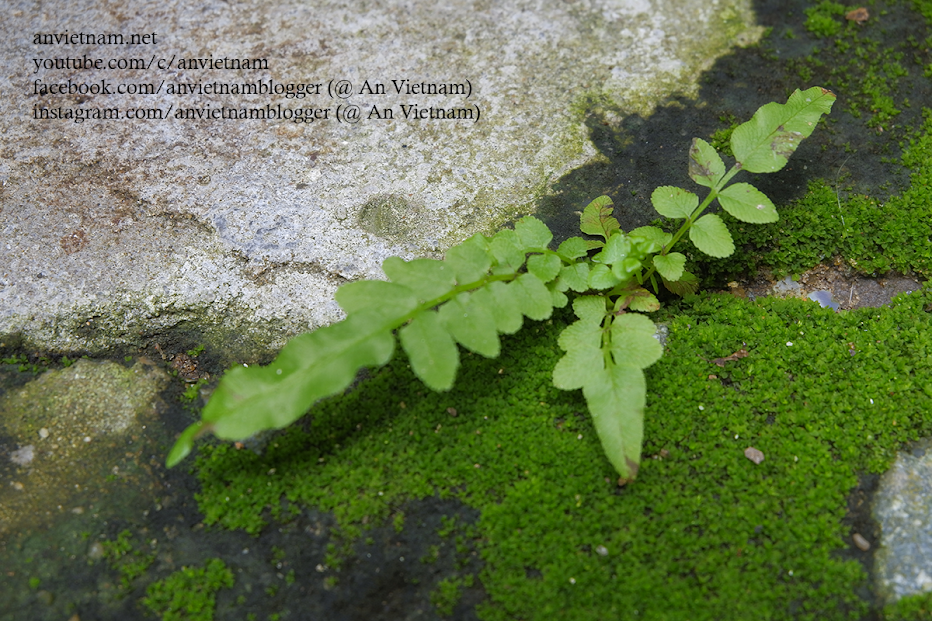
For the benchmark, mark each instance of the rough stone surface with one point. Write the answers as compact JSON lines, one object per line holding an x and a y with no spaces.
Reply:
{"x":111,"y":231}
{"x":65,"y":433}
{"x":902,"y":508}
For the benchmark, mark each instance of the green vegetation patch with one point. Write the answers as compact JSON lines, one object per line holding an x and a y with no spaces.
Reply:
{"x":190,"y":593}
{"x":870,"y":56}
{"x":910,"y":608}
{"x":721,"y":139}
{"x":872,"y":235}
{"x":129,"y":561}
{"x":880,"y":70}
{"x":448,"y":593}
{"x":822,"y":20}
{"x":704,"y":533}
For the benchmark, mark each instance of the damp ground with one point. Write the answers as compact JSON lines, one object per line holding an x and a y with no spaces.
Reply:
{"x":394,"y":503}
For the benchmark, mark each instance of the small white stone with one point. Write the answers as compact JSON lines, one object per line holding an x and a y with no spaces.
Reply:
{"x":23,"y":456}
{"x":754,"y":455}
{"x":43,"y":433}
{"x":601,"y":551}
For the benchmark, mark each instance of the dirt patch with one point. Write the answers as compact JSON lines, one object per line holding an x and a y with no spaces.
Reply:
{"x":849,"y":288}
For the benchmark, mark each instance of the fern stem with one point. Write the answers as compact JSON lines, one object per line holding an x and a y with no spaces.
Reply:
{"x":713,"y":194}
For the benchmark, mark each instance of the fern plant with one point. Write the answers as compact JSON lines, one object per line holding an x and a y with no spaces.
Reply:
{"x":487,"y":286}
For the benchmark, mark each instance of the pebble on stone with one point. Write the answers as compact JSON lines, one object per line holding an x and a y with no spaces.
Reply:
{"x":754,"y":455}
{"x":96,"y":551}
{"x":23,"y":456}
{"x":787,"y":286}
{"x":862,"y":543}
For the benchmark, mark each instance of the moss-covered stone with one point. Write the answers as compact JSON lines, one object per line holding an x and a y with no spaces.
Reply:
{"x":73,"y":430}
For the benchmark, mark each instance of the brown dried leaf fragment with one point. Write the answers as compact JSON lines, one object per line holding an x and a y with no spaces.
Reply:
{"x":186,"y":366}
{"x":741,"y":353}
{"x":859,"y":15}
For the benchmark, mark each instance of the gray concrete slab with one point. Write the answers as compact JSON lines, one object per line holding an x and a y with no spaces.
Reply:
{"x":115,"y":230}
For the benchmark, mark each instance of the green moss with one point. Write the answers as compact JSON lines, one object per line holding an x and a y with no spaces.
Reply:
{"x":925,"y":8}
{"x":448,"y":593}
{"x":910,"y":608}
{"x":448,"y":526}
{"x":867,"y":65}
{"x":190,"y":593}
{"x":721,"y":139}
{"x":433,"y":554}
{"x":704,"y":533}
{"x":129,"y":561}
{"x":40,"y":365}
{"x":398,"y":522}
{"x":192,"y":391}
{"x":822,"y":19}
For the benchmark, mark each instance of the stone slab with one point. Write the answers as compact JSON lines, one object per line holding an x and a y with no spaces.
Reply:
{"x":112,"y":231}
{"x":902,"y":507}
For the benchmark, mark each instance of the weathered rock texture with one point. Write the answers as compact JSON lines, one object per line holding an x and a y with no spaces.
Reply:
{"x":902,"y":508}
{"x":113,"y":230}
